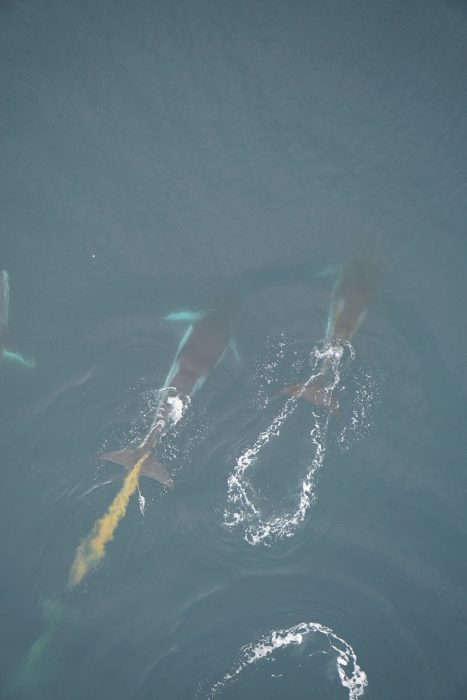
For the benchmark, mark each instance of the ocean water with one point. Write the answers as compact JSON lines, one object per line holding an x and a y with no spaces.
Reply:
{"x":156,"y":157}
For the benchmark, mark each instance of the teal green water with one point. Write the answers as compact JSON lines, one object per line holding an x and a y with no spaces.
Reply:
{"x":156,"y":157}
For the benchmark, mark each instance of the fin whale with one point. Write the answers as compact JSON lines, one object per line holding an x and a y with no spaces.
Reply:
{"x":350,"y":300}
{"x":200,"y":349}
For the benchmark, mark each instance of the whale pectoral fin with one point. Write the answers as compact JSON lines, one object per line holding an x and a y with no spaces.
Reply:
{"x":234,"y":347}
{"x":360,"y":320}
{"x":17,"y":359}
{"x":332,"y":271}
{"x":296,"y":391}
{"x":4,"y":301}
{"x":185,"y":316}
{"x":291,"y":390}
{"x":152,"y":468}
{"x":314,"y":392}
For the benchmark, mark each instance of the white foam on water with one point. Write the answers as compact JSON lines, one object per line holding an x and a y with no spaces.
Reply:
{"x":267,"y":368}
{"x":174,"y":408}
{"x":367,"y":396}
{"x":178,"y":406}
{"x":242,"y":509}
{"x":351,"y":675}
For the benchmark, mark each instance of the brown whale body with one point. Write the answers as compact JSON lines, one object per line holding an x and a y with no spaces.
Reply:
{"x":199,"y":352}
{"x":351,"y":298}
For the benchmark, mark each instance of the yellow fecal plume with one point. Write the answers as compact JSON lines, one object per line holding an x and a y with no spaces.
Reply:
{"x":92,"y":549}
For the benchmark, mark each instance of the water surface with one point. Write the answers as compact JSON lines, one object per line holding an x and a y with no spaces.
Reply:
{"x":156,"y":156}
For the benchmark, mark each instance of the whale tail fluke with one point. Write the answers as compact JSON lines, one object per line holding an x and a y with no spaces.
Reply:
{"x":17,"y":359}
{"x":151,"y":468}
{"x":314,"y":391}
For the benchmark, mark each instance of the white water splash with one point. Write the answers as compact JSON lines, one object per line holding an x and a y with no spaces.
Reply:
{"x":351,"y":675}
{"x":178,"y":406}
{"x":242,"y":509}
{"x":171,"y":407}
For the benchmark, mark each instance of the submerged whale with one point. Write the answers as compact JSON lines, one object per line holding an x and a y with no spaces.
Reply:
{"x":350,"y":300}
{"x":200,"y":349}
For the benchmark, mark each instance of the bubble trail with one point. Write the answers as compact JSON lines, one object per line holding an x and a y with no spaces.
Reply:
{"x":241,"y":509}
{"x":92,"y":549}
{"x":351,"y":675}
